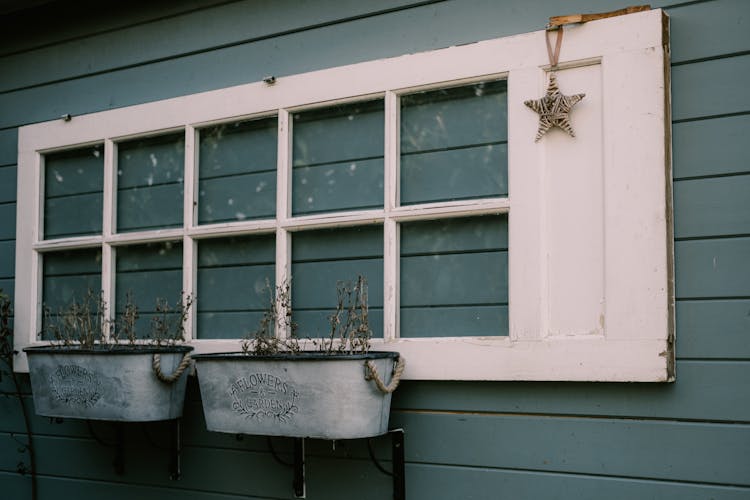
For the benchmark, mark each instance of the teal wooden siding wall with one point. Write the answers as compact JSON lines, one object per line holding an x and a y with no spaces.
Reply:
{"x":686,"y":440}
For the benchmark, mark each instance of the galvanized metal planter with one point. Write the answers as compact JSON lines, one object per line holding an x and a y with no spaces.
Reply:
{"x":109,"y":382}
{"x":311,"y":394}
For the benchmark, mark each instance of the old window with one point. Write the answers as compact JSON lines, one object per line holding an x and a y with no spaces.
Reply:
{"x":488,"y":256}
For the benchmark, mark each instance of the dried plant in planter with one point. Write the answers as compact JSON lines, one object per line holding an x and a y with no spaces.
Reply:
{"x":80,"y":323}
{"x":84,"y":323}
{"x":168,"y":326}
{"x":337,"y":389}
{"x":100,"y":369}
{"x":349,"y":333}
{"x":350,"y":325}
{"x":263,"y":340}
{"x":125,"y":326}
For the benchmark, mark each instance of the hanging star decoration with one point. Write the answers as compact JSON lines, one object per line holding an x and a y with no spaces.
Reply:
{"x":554,"y":109}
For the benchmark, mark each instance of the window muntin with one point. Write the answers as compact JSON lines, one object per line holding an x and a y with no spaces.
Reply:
{"x":627,"y":55}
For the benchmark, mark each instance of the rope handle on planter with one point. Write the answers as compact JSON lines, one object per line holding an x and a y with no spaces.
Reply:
{"x":170,"y":379}
{"x":372,"y":374}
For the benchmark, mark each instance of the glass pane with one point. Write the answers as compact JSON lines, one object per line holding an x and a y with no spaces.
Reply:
{"x":322,"y":258}
{"x":73,"y":183}
{"x":69,"y":276}
{"x":454,"y":277}
{"x":150,"y":182}
{"x":338,"y":158}
{"x":237,"y":171}
{"x":148,"y":272}
{"x":454,"y":143}
{"x":234,"y":276}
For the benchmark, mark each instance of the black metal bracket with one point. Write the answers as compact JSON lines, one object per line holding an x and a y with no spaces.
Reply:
{"x":397,"y":457}
{"x":175,"y":450}
{"x":118,"y":463}
{"x":399,"y":464}
{"x":298,"y":484}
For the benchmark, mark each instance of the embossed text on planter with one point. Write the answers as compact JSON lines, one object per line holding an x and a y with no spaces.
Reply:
{"x":262,"y":395}
{"x":75,"y":386}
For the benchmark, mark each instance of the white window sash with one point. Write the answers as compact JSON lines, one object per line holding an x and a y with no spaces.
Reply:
{"x":590,"y":258}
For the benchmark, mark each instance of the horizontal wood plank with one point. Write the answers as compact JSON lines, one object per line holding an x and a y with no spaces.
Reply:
{"x":150,"y":207}
{"x":454,"y":279}
{"x":710,"y":88}
{"x":7,"y":221}
{"x":643,"y":449}
{"x":712,"y":207}
{"x":7,"y":186}
{"x":237,"y":148}
{"x":73,"y":215}
{"x":236,"y":198}
{"x":477,"y":172}
{"x":451,"y":482}
{"x":81,"y":21}
{"x":76,"y":171}
{"x":7,"y":285}
{"x":710,"y":147}
{"x":713,"y":329}
{"x":73,"y":262}
{"x":149,"y":257}
{"x":349,"y":185}
{"x":235,"y":251}
{"x":234,"y":288}
{"x":103,"y":48}
{"x":455,"y":321}
{"x":333,"y":244}
{"x":708,"y":29}
{"x":8,"y":146}
{"x":712,"y":268}
{"x":704,"y":390}
{"x":314,"y":283}
{"x":61,"y":487}
{"x":227,"y":325}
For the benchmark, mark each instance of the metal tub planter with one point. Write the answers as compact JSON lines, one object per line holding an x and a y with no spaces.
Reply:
{"x":109,"y":382}
{"x":308,"y":394}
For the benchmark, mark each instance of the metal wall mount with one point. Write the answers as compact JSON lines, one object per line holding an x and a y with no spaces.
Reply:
{"x":397,"y":459}
{"x":118,"y":463}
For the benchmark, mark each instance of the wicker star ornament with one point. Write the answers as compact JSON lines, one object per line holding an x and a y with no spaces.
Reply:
{"x":554,"y":109}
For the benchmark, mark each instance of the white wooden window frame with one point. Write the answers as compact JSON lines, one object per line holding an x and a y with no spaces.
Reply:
{"x":590,"y":252}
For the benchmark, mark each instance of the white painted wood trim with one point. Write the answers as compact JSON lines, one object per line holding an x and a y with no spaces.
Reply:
{"x":109,"y":186}
{"x":623,"y":336}
{"x":190,"y":283}
{"x":391,"y":197}
{"x":190,"y":178}
{"x":284,"y":167}
{"x":283,"y":276}
{"x":391,"y":276}
{"x":109,"y":198}
{"x":108,"y":283}
{"x":575,"y":359}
